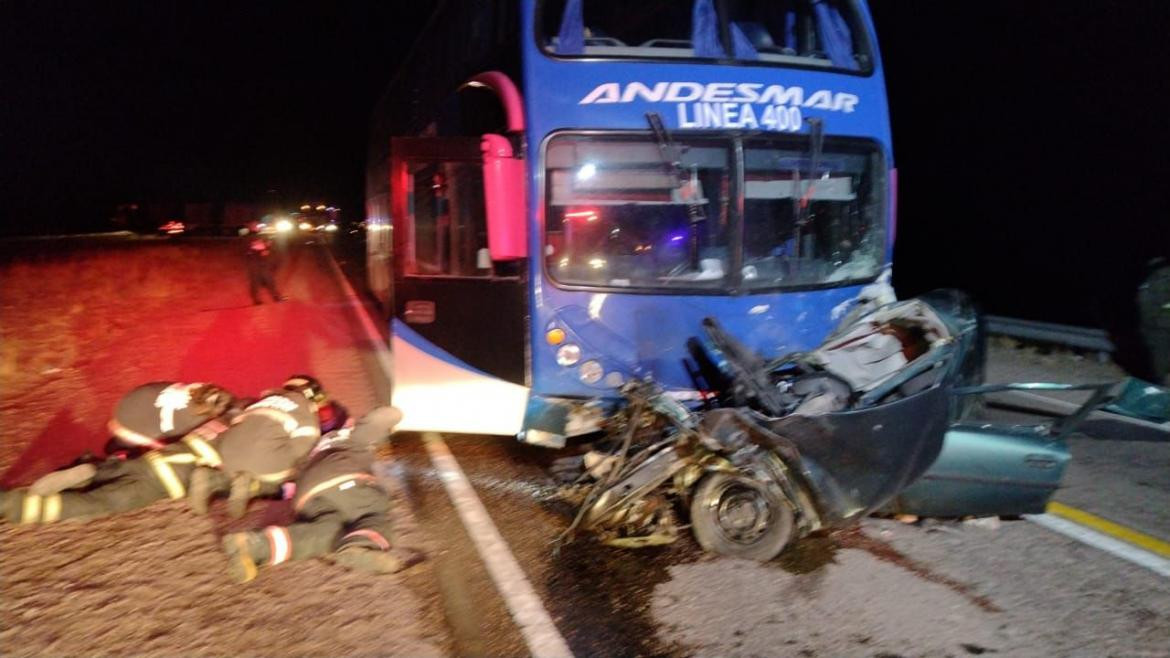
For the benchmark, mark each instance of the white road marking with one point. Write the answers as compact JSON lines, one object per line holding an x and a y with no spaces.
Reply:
{"x":1115,"y":547}
{"x":527,"y":610}
{"x":525,"y":606}
{"x":381,"y":352}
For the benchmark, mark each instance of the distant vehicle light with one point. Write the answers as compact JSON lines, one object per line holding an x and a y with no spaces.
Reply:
{"x":568,"y":354}
{"x":331,"y":228}
{"x":306,"y":207}
{"x":173,"y":227}
{"x":305,"y":226}
{"x":284,"y":226}
{"x":321,"y":207}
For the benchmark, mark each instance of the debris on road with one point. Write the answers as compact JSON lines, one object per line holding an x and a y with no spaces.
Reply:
{"x":781,"y":448}
{"x":983,"y":522}
{"x":812,"y":440}
{"x":1142,"y":400}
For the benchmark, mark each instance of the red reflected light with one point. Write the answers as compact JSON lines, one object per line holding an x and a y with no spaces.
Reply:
{"x":588,"y":214}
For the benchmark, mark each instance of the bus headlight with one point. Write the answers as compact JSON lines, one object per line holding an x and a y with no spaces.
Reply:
{"x":568,"y":354}
{"x":591,"y":372}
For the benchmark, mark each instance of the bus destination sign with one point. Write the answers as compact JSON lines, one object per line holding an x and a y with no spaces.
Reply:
{"x":728,"y":105}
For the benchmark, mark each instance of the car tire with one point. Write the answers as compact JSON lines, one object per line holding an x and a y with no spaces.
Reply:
{"x":736,"y":516}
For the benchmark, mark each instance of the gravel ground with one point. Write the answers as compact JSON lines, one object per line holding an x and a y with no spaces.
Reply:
{"x":1009,"y":361}
{"x":940,"y":589}
{"x":858,"y":605}
{"x":82,"y":325}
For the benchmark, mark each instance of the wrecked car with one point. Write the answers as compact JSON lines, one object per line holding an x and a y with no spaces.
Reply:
{"x":877,"y":418}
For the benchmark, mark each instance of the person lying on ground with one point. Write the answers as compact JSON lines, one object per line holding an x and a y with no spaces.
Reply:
{"x":92,"y":488}
{"x":152,"y":415}
{"x":342,"y":512}
{"x":117,"y":484}
{"x":260,"y":450}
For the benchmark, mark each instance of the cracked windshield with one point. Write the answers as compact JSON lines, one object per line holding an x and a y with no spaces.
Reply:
{"x":623,"y":212}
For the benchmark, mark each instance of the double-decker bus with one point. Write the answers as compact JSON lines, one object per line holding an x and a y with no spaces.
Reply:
{"x":559,"y":191}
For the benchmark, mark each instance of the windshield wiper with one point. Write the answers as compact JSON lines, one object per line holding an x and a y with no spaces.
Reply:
{"x":802,"y":193}
{"x":672,"y":158}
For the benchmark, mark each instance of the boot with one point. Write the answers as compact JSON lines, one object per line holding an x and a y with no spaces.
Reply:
{"x":370,"y":559}
{"x":244,"y":487}
{"x":58,"y":481}
{"x":200,"y":490}
{"x":243,"y":553}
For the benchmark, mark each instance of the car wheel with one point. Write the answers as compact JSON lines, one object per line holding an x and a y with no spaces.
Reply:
{"x":738,"y":517}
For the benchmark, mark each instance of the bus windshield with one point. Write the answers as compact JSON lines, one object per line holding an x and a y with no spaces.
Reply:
{"x":810,"y":33}
{"x":805,"y":227}
{"x":620,"y":216}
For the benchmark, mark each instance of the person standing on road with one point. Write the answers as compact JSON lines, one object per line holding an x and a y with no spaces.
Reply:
{"x":116,"y":484}
{"x":152,"y":415}
{"x":263,"y":445}
{"x":1154,"y":307}
{"x":342,"y":511}
{"x":261,"y":263}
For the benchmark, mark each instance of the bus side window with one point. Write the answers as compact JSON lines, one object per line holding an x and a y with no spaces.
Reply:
{"x":448,"y":215}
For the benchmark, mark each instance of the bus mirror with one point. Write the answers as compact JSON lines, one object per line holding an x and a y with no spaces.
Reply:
{"x":504,"y":194}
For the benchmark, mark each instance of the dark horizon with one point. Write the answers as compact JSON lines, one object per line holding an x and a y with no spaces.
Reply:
{"x":1028,"y":139}
{"x":174,"y":102}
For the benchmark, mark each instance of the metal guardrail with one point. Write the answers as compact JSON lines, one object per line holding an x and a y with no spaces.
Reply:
{"x":1059,"y":334}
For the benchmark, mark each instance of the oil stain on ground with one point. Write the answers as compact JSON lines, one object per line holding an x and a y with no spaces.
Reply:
{"x":601,"y":588}
{"x":599,"y":595}
{"x":856,"y":538}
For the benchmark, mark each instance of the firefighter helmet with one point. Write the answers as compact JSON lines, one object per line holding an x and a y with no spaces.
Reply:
{"x":307,"y":386}
{"x":211,"y":399}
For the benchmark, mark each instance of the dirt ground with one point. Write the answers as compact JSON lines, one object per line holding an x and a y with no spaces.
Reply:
{"x":81,"y":323}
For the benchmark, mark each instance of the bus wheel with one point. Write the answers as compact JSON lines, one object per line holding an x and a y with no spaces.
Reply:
{"x":738,"y":517}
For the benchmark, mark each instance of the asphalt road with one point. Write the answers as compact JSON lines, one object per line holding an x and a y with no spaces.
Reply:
{"x":1004,"y":587}
{"x":1011,"y":588}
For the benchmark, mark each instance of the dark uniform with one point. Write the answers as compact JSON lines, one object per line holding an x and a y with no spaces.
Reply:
{"x":262,"y":447}
{"x":270,"y":436}
{"x":261,"y":268}
{"x":155,"y":414}
{"x":1154,"y":307}
{"x":340,"y":508}
{"x":118,"y":485}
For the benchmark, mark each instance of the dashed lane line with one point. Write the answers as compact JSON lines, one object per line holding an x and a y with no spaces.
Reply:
{"x":527,"y":610}
{"x":381,"y":352}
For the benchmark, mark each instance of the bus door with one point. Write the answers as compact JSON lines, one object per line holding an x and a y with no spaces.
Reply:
{"x":448,"y":289}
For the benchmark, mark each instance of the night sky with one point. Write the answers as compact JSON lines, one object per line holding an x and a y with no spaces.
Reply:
{"x":1031,"y":137}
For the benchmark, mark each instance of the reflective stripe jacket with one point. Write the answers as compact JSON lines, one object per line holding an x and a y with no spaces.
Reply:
{"x":270,"y":436}
{"x":342,"y":459}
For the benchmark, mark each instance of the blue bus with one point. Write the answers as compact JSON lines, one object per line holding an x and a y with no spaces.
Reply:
{"x":559,"y":191}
